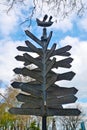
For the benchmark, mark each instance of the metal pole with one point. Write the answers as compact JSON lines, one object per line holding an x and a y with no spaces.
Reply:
{"x":44,"y":124}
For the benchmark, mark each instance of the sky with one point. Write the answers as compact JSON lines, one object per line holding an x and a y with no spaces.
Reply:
{"x":69,"y":31}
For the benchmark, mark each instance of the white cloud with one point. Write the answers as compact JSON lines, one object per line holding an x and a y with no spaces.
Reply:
{"x":7,"y":61}
{"x":63,"y":25}
{"x":8,"y":23}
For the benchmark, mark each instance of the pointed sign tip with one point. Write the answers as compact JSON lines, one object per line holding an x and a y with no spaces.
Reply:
{"x":11,"y":111}
{"x":18,"y":70}
{"x":16,"y":84}
{"x":13,"y":84}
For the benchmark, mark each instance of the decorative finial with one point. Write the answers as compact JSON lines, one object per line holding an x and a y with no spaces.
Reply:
{"x":45,"y":18}
{"x":43,"y":23}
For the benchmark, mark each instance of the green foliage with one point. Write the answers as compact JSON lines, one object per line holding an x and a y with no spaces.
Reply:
{"x":34,"y":126}
{"x":6,"y":120}
{"x":5,"y":117}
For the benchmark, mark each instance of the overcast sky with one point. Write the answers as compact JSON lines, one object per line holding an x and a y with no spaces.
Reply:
{"x":70,"y":31}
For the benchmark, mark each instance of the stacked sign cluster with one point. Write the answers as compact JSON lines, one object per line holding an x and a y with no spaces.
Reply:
{"x":43,"y":97}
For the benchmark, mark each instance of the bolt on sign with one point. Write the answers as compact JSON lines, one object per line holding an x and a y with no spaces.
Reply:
{"x":44,"y":97}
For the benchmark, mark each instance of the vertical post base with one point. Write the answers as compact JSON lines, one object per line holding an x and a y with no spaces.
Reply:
{"x":44,"y":123}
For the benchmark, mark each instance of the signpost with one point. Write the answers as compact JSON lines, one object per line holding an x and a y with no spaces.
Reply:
{"x":44,"y":98}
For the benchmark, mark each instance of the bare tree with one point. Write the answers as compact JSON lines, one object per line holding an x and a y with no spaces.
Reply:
{"x":59,"y":8}
{"x":71,"y":122}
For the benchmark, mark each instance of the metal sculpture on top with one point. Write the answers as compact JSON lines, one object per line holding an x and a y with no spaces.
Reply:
{"x":43,"y":23}
{"x":44,"y":97}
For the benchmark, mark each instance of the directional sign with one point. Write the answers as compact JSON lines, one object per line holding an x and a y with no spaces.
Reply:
{"x":28,"y":33}
{"x":63,"y":76}
{"x":63,"y":51}
{"x":24,"y":48}
{"x":66,"y":76}
{"x":26,"y":72}
{"x":20,"y":58}
{"x":25,"y":111}
{"x":34,"y":89}
{"x":31,"y":104}
{"x":62,"y":100}
{"x":27,"y":62}
{"x":63,"y":112}
{"x":23,"y":59}
{"x":54,"y":90}
{"x":63,"y":63}
{"x":52,"y":77}
{"x":27,"y":98}
{"x":39,"y":105}
{"x":50,"y":112}
{"x":32,"y":47}
{"x":33,"y":60}
{"x":29,"y":85}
